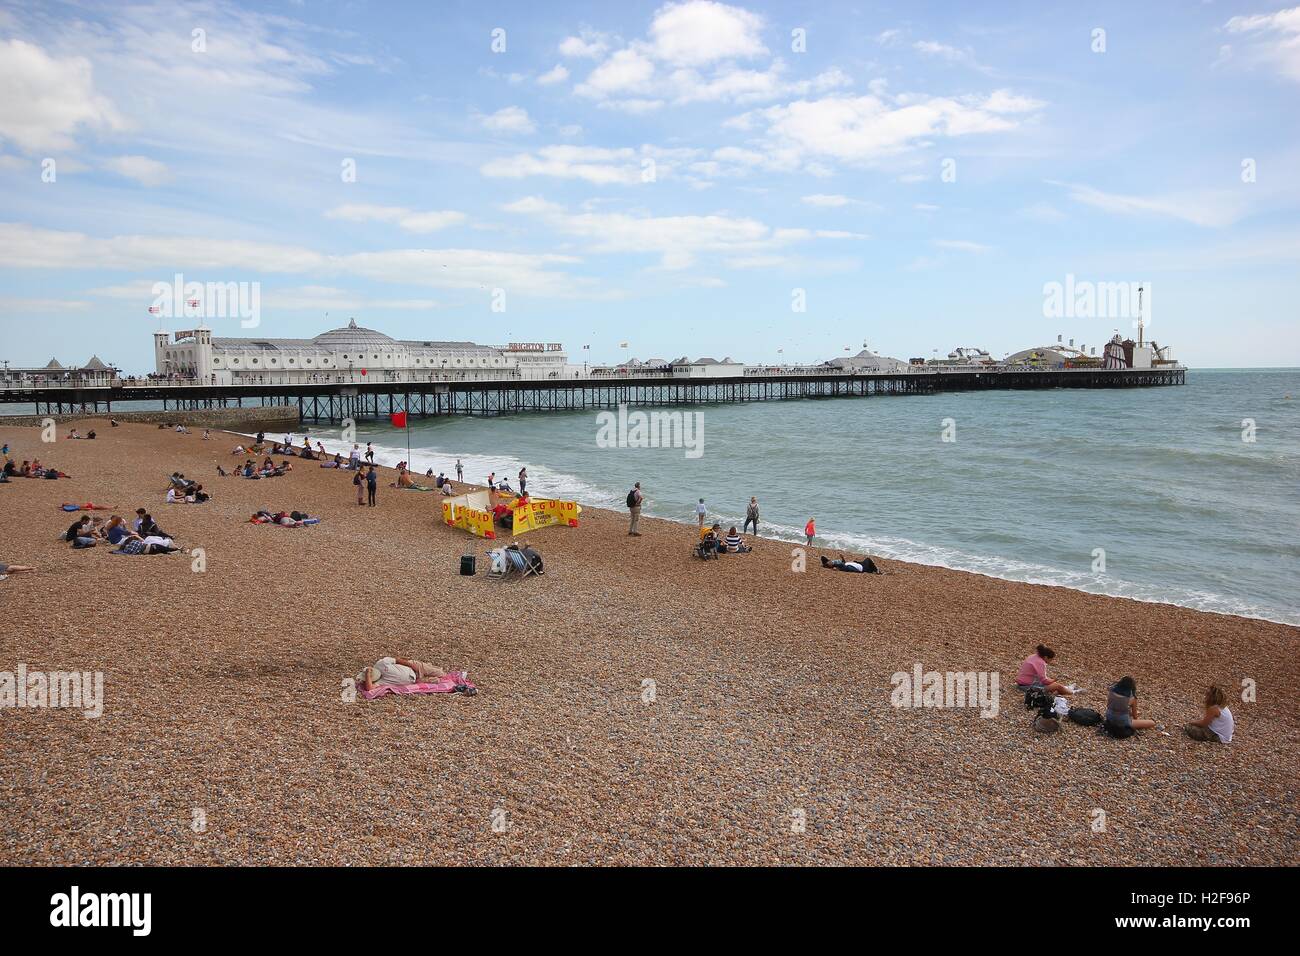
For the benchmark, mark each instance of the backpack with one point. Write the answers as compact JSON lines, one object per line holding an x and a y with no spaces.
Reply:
{"x":1084,"y":716}
{"x":631,"y":498}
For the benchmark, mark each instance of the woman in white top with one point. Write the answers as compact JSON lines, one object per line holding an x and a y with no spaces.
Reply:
{"x":1216,"y":725}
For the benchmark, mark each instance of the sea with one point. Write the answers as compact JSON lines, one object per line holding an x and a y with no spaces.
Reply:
{"x":1181,"y":495}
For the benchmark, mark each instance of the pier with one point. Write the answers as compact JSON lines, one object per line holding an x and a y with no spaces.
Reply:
{"x":334,"y":401}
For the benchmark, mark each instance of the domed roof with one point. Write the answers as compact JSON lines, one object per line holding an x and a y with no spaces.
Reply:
{"x":352,"y":336}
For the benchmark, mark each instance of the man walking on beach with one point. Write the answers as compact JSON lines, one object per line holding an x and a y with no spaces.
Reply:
{"x":700,"y":512}
{"x":751,"y":516}
{"x":372,"y":483}
{"x":460,"y":471}
{"x":634,"y":500}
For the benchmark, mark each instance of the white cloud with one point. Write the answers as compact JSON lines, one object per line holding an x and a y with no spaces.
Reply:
{"x":692,"y":54}
{"x":145,"y":171}
{"x":1271,"y":37}
{"x":699,"y":32}
{"x":962,"y":245}
{"x":47,"y":99}
{"x":593,"y":164}
{"x":557,"y":74}
{"x":319,"y":298}
{"x":28,"y":247}
{"x":829,"y":200}
{"x":590,"y":45}
{"x":677,"y":240}
{"x":410,"y":220}
{"x":1205,"y":208}
{"x":511,"y":119}
{"x":13,"y":304}
{"x":863,"y":129}
{"x":625,"y":72}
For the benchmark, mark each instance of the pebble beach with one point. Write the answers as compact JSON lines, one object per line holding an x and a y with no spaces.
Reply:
{"x":635,"y":705}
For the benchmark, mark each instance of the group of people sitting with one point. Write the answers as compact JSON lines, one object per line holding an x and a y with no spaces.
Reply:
{"x":29,"y":469}
{"x":77,"y":435}
{"x":146,"y":538}
{"x":182,"y":490}
{"x":1122,"y":719}
{"x":250,"y":469}
{"x":713,"y":542}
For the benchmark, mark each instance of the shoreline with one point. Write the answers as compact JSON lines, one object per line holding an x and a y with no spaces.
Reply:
{"x":769,"y":692}
{"x":794,"y":539}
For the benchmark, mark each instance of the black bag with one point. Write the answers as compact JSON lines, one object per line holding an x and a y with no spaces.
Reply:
{"x":631,"y":498}
{"x":1038,"y":699}
{"x":1085,"y":716}
{"x":467,"y":565}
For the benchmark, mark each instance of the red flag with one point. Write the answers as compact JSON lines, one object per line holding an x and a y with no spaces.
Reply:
{"x":399,"y":419}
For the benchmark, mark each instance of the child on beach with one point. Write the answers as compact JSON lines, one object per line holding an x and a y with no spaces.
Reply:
{"x":1216,"y":724}
{"x":700,"y":512}
{"x":810,"y":530}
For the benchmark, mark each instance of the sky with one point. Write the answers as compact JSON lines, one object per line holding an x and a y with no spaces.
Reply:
{"x":769,"y":182}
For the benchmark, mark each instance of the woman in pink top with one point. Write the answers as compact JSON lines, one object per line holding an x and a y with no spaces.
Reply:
{"x":1033,"y":673}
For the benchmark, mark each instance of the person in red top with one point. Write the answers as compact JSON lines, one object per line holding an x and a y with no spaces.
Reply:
{"x":1033,"y":673}
{"x":810,"y":529}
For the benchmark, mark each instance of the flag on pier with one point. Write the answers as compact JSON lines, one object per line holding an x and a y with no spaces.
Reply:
{"x":398,"y":419}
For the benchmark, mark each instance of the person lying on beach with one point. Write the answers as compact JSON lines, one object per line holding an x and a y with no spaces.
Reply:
{"x":863,"y":565}
{"x":222,"y":473}
{"x":73,"y":434}
{"x":239,"y":450}
{"x":8,"y":569}
{"x":88,"y":506}
{"x":288,"y":519}
{"x":1033,"y":673}
{"x":1216,"y":724}
{"x":197,"y":495}
{"x":1122,"y":718}
{"x":396,"y":672}
{"x":150,"y":545}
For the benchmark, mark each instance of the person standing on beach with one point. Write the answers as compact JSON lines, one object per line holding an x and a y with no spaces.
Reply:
{"x":810,"y":530}
{"x":460,"y":471}
{"x":634,"y":501}
{"x":372,"y":483}
{"x":751,"y":516}
{"x":370,"y":453}
{"x":523,"y":481}
{"x":700,"y":512}
{"x":358,"y":482}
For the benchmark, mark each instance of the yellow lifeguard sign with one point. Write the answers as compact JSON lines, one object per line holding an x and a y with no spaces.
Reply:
{"x":533,"y":513}
{"x":473,"y":512}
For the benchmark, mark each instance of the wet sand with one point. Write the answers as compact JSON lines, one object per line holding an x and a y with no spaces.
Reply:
{"x":771,"y":695}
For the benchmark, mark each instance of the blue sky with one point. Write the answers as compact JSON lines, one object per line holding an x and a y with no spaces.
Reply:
{"x":666,"y":174}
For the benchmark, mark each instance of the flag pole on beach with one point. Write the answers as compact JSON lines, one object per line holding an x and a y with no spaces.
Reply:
{"x":402,"y":420}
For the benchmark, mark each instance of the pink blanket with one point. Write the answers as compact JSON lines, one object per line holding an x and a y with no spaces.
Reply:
{"x":444,"y":686}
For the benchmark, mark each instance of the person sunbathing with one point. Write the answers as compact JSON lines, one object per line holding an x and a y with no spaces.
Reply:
{"x":8,"y":569}
{"x":404,"y":479}
{"x":398,"y":672}
{"x":862,"y":565}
